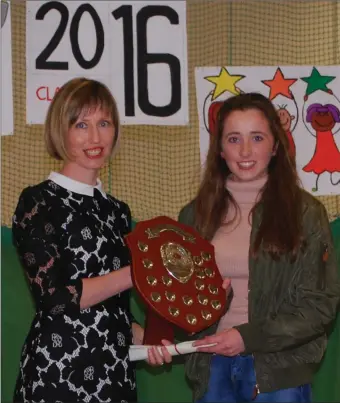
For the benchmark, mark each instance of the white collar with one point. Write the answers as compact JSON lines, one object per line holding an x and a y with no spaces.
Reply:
{"x":75,"y":186}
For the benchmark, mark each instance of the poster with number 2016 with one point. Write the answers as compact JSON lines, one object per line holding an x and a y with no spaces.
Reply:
{"x":137,"y":48}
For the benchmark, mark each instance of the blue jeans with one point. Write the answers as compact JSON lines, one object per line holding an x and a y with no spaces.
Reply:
{"x":232,"y":380}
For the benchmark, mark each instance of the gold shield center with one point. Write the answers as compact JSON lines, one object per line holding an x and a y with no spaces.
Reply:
{"x":178,"y":261}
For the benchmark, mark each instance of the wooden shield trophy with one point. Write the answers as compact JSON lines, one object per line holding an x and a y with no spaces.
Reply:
{"x":175,"y":273}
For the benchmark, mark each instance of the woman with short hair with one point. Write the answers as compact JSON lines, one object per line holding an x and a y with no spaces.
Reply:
{"x":69,"y":234}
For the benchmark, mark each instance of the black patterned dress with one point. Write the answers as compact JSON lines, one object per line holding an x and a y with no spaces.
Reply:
{"x":65,"y":231}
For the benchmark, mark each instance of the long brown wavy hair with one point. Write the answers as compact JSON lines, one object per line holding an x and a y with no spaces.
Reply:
{"x":280,"y":228}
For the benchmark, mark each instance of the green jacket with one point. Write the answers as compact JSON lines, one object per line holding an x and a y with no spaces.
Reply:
{"x":291,"y":307}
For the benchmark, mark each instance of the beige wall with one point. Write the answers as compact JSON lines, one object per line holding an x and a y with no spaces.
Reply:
{"x":157,"y":168}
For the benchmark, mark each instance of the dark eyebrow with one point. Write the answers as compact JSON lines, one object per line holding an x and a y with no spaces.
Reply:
{"x":86,"y":118}
{"x":252,"y":132}
{"x":259,"y":132}
{"x":232,"y":133}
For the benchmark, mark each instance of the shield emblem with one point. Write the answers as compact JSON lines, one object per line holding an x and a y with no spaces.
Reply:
{"x":175,"y":273}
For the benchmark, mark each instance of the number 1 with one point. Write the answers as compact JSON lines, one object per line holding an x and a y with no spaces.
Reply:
{"x":125,"y":12}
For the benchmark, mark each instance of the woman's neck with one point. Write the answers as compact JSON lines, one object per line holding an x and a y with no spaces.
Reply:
{"x":80,"y":174}
{"x":246,"y":192}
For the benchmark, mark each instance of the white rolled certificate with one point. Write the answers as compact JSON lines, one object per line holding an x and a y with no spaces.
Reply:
{"x":137,"y":353}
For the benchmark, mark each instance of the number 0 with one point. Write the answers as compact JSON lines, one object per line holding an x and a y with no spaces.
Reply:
{"x":74,"y":32}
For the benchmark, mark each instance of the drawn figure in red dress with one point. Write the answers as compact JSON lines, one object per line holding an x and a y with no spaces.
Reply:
{"x":213,"y":109}
{"x":326,"y":156}
{"x":286,"y":121}
{"x":212,"y":116}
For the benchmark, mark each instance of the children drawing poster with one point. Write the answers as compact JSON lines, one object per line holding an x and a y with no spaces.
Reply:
{"x":307,"y":100}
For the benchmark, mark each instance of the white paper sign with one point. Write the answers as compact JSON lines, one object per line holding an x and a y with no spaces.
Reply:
{"x":6,"y":70}
{"x":299,"y":93}
{"x":137,"y":48}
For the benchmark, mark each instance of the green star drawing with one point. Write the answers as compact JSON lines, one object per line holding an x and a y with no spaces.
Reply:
{"x":317,"y":82}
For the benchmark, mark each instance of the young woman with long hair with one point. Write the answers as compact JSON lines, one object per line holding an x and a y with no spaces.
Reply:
{"x":272,"y":239}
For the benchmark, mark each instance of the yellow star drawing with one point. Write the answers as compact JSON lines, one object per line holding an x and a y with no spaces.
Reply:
{"x":224,"y":82}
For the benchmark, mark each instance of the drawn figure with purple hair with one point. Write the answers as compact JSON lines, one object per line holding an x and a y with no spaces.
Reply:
{"x":326,"y":156}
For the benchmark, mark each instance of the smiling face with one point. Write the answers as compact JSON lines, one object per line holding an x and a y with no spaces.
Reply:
{"x":89,"y":141}
{"x":322,"y":121}
{"x":285,"y":118}
{"x":247,"y":144}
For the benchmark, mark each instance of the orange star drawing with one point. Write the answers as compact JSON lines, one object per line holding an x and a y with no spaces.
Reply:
{"x":279,"y":85}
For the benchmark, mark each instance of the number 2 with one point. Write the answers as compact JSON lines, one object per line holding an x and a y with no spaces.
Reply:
{"x":41,"y":62}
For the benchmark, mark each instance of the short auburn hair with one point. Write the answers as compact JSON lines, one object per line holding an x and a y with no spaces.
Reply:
{"x":73,"y":98}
